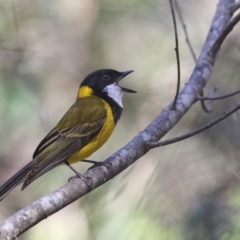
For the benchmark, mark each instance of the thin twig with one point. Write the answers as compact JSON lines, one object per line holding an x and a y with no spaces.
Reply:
{"x":208,"y":105}
{"x":184,"y":26}
{"x":190,"y":134}
{"x":203,"y":104}
{"x":220,"y":97}
{"x":177,"y":54}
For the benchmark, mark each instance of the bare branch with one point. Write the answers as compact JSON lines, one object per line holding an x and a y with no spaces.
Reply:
{"x":179,"y":12}
{"x":177,"y":55}
{"x":196,"y":131}
{"x":235,"y":6}
{"x":136,"y":148}
{"x":225,"y":33}
{"x":204,"y":106}
{"x":216,"y":45}
{"x":220,"y":97}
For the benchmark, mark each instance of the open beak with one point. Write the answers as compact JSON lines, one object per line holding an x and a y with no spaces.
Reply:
{"x":124,"y":74}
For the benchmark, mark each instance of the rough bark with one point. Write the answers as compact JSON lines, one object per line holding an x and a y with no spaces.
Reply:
{"x":138,"y":146}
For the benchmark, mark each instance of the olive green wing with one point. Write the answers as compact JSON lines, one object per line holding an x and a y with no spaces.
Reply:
{"x":82,"y":123}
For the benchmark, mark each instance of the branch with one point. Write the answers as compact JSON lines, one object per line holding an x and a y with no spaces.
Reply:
{"x":177,"y":55}
{"x":204,"y":106}
{"x":136,"y":148}
{"x":195,"y":132}
{"x":185,"y":31}
{"x":235,"y":6}
{"x":225,"y":33}
{"x":220,"y":97}
{"x":215,"y":47}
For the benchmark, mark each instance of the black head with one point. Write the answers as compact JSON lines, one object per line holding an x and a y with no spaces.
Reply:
{"x":102,"y":78}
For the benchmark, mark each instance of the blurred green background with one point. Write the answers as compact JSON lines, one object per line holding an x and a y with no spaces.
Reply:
{"x":188,"y":190}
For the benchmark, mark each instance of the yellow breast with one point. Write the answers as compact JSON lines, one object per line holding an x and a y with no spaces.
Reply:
{"x":98,"y":141}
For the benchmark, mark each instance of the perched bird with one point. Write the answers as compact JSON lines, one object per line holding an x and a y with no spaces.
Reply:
{"x":84,"y":128}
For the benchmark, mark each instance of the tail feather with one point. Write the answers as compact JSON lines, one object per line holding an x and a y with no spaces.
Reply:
{"x":15,"y":180}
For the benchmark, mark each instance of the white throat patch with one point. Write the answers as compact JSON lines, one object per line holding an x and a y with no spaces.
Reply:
{"x":114,"y":92}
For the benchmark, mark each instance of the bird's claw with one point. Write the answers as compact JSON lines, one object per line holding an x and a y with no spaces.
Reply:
{"x":85,"y":179}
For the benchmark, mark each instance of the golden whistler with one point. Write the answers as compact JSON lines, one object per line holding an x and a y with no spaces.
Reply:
{"x":84,"y":128}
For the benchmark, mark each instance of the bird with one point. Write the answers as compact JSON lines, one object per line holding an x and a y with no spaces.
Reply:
{"x":84,"y":128}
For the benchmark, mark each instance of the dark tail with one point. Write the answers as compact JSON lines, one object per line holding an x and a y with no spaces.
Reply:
{"x":15,"y":180}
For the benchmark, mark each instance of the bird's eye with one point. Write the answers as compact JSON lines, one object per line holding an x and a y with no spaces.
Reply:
{"x":106,"y":77}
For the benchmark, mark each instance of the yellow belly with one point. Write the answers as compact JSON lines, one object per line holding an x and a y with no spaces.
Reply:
{"x":98,"y":141}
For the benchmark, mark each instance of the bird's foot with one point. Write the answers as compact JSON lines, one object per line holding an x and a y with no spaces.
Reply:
{"x":96,"y":164}
{"x":108,"y":165}
{"x":85,"y":179}
{"x":79,"y":175}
